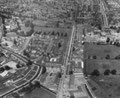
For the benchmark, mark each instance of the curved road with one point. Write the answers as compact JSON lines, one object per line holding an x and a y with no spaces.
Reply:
{"x":17,"y":88}
{"x":38,"y":72}
{"x":35,"y":77}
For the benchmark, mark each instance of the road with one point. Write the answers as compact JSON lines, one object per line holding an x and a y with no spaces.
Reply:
{"x":19,"y":87}
{"x":102,"y":10}
{"x":79,"y":59}
{"x":60,"y":90}
{"x":35,"y":77}
{"x":37,"y":73}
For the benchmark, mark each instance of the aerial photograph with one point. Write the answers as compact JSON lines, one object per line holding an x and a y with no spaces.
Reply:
{"x":59,"y":48}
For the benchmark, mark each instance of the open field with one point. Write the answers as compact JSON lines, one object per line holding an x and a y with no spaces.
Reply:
{"x":101,"y":65}
{"x":39,"y":93}
{"x":104,"y":86}
{"x":109,"y":88}
{"x":95,"y":58}
{"x":100,"y":51}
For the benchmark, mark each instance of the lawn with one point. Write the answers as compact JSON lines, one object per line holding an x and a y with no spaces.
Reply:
{"x":95,"y":58}
{"x":39,"y":93}
{"x":101,"y":65}
{"x":100,"y":51}
{"x":109,"y":88}
{"x":104,"y":86}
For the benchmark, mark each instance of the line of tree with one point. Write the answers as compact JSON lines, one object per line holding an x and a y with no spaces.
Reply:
{"x":106,"y":72}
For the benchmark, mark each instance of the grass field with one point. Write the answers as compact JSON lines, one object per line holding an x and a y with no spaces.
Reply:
{"x":101,"y":63}
{"x":39,"y":93}
{"x":104,"y":86}
{"x":109,"y":88}
{"x":100,"y":51}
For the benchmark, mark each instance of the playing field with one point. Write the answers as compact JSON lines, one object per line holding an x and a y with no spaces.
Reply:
{"x":95,"y":58}
{"x":100,"y":62}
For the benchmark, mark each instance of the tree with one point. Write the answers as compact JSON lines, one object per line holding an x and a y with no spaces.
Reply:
{"x":89,"y":8}
{"x":84,"y":8}
{"x":15,"y":42}
{"x":65,"y":35}
{"x":53,"y":33}
{"x":73,"y":49}
{"x":15,"y":95}
{"x":95,"y":72}
{"x":29,"y":88}
{"x":31,"y":85}
{"x":94,"y":88}
{"x":58,"y":34}
{"x":2,"y":69}
{"x":26,"y":54}
{"x":18,"y":65}
{"x":28,"y":23}
{"x":72,"y":96}
{"x":4,"y":31}
{"x":70,"y":72}
{"x":96,"y":8}
{"x":23,"y":90}
{"x":44,"y":33}
{"x":44,"y":70}
{"x":7,"y":68}
{"x":37,"y":84}
{"x":97,"y":20}
{"x":107,"y":56}
{"x":29,"y":63}
{"x":108,"y":40}
{"x":117,"y":57}
{"x":107,"y":72}
{"x":59,"y":45}
{"x":59,"y":74}
{"x":94,"y":57}
{"x":62,"y":34}
{"x":113,"y":72}
{"x":2,"y":54}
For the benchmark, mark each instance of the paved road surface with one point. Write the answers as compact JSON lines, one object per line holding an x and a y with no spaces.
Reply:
{"x":102,"y":9}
